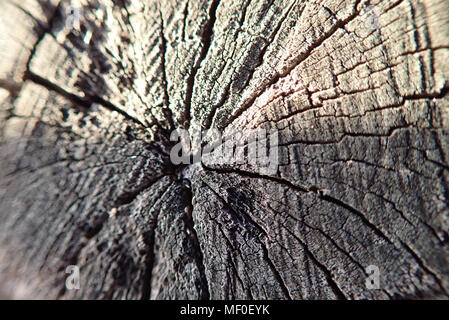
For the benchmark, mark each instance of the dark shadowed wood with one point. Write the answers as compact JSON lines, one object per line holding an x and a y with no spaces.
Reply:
{"x":360,"y":99}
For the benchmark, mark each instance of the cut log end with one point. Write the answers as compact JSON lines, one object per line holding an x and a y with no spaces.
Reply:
{"x":355,"y":205}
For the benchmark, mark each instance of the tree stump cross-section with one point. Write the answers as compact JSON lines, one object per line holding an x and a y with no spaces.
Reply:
{"x":91,"y":91}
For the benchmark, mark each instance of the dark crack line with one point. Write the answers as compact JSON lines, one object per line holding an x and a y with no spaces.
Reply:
{"x":339,"y":203}
{"x":327,"y":273}
{"x":42,"y":30}
{"x":424,"y":267}
{"x":339,"y":248}
{"x":340,"y":295}
{"x":167,"y":111}
{"x":198,"y":256}
{"x":83,"y":103}
{"x":211,"y":116}
{"x":128,"y":197}
{"x":294,"y":63}
{"x":265,"y":252}
{"x":305,"y":189}
{"x":400,"y":212}
{"x":403,"y":99}
{"x":345,"y":135}
{"x":226,"y":94}
{"x":334,"y":286}
{"x":149,"y":240}
{"x":269,"y":41}
{"x":206,"y":40}
{"x":89,"y":234}
{"x":185,"y":14}
{"x":230,"y":257}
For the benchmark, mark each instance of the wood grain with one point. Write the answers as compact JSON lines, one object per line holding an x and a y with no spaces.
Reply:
{"x":360,"y":102}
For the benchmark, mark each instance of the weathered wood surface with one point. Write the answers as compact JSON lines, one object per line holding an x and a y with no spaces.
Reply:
{"x":86,"y":179}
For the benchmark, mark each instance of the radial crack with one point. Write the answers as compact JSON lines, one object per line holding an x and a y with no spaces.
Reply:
{"x":198,"y":254}
{"x":206,"y":40}
{"x":84,"y":103}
